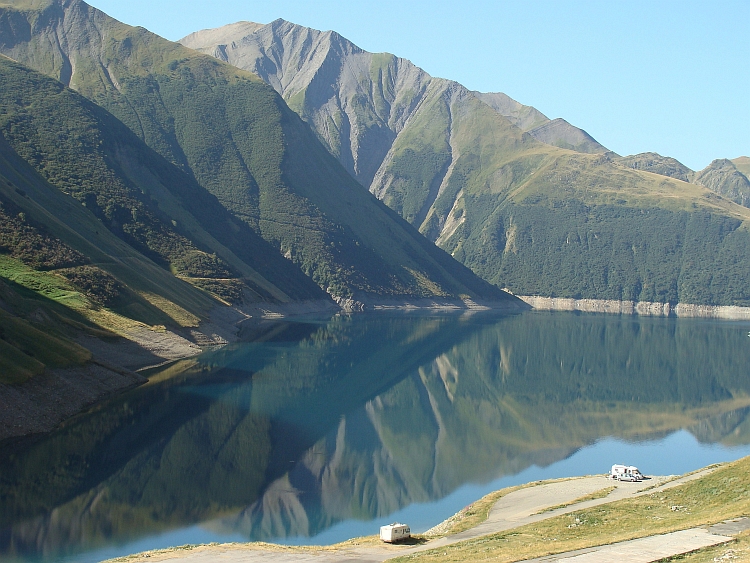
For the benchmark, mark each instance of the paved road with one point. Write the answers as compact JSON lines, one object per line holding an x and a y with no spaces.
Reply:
{"x":643,"y":550}
{"x":513,"y":510}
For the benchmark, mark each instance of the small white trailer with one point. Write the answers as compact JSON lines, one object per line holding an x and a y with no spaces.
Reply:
{"x":394,"y":532}
{"x":625,"y":473}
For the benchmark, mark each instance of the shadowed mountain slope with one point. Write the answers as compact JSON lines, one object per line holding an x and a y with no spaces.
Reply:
{"x":237,"y":139}
{"x":160,"y":211}
{"x":467,"y":170}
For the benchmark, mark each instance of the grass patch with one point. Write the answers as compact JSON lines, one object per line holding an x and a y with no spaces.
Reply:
{"x":601,"y":493}
{"x":26,"y":351}
{"x":723,"y":494}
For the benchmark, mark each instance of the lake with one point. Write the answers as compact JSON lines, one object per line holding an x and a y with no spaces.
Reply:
{"x":318,"y":430}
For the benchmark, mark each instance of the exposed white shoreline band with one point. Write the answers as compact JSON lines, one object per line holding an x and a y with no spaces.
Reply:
{"x":643,"y":308}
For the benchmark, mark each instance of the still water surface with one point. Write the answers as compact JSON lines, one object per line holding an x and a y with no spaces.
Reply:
{"x":322,"y":430}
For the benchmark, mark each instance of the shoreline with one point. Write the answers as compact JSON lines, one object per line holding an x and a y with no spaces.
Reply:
{"x":640,"y":308}
{"x":513,"y":508}
{"x":116,"y":366}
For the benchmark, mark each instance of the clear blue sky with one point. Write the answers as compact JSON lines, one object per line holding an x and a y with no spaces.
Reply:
{"x":671,"y":77}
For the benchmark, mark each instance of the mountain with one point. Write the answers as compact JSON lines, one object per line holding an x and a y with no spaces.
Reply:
{"x":470,"y":172}
{"x":234,"y":137}
{"x":658,"y":164}
{"x":143,"y":200}
{"x":723,"y":177}
{"x":359,"y":103}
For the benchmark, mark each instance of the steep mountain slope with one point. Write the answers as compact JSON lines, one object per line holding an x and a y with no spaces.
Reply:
{"x":560,"y":133}
{"x":527,"y":215}
{"x":234,"y":135}
{"x":359,"y":103}
{"x":523,"y":117}
{"x":158,"y":210}
{"x":723,"y":178}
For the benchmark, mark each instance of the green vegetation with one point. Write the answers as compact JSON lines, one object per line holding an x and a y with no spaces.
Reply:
{"x":421,"y":156}
{"x":523,"y":214}
{"x":601,"y":493}
{"x":235,"y":136}
{"x":720,"y":495}
{"x":26,"y":351}
{"x":34,"y":329}
{"x":571,"y":249}
{"x":159,"y":211}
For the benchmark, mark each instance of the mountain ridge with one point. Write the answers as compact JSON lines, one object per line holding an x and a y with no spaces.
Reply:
{"x":288,"y":188}
{"x":484,"y":189}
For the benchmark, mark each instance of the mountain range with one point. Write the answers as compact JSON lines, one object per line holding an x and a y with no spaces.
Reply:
{"x":166,"y":184}
{"x":528,"y":203}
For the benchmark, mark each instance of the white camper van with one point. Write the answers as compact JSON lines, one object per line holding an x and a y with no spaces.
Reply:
{"x":626,"y":473}
{"x":394,"y":532}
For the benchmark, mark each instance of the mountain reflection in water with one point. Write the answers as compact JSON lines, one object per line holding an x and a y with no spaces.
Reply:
{"x":359,"y":416}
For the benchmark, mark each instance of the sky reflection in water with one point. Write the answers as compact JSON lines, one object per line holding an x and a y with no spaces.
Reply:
{"x":324,"y":430}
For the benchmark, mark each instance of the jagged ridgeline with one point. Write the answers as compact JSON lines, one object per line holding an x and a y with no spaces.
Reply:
{"x":232,"y":135}
{"x":526,"y":202}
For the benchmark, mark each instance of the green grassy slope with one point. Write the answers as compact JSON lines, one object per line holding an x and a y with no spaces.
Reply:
{"x":547,"y":221}
{"x":154,"y":207}
{"x":239,"y":140}
{"x":26,"y":351}
{"x":536,"y":218}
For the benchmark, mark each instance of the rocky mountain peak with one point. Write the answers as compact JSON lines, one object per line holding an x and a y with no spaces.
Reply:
{"x":723,"y":178}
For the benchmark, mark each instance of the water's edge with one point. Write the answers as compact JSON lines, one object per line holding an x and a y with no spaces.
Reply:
{"x":643,"y":308}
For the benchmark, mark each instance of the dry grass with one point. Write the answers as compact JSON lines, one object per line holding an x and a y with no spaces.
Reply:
{"x":601,"y":493}
{"x":720,"y":495}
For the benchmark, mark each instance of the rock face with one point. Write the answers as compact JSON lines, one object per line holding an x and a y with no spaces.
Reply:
{"x":528,"y":203}
{"x":658,"y":164}
{"x":362,"y":104}
{"x":723,"y":178}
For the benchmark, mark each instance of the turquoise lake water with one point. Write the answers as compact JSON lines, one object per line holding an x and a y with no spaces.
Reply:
{"x":319,"y":430}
